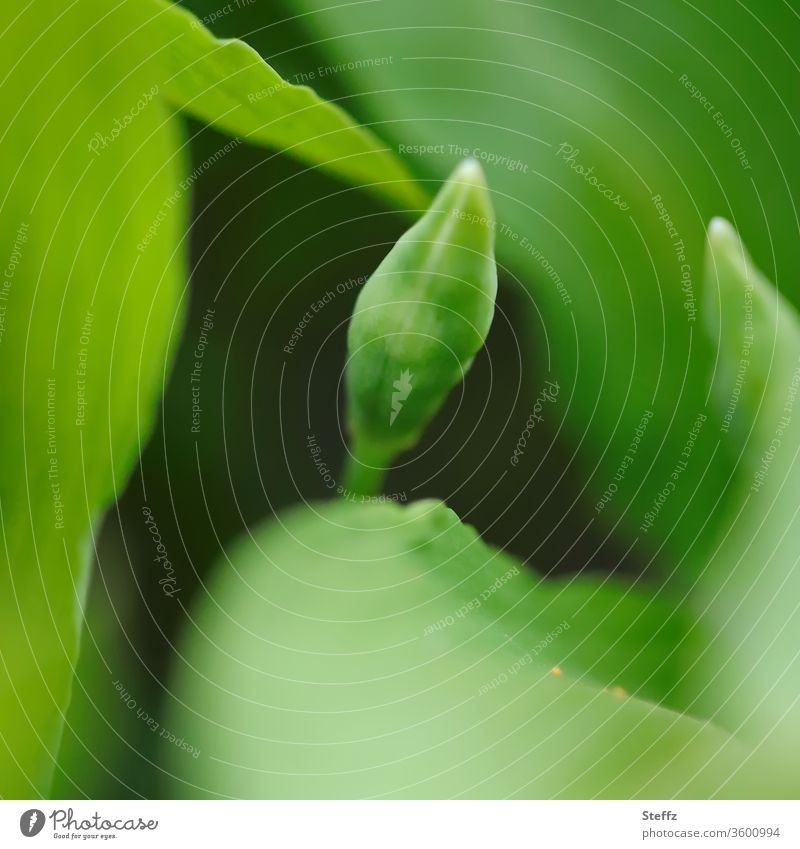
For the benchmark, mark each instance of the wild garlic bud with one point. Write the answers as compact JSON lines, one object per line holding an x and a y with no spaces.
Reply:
{"x":418,"y":323}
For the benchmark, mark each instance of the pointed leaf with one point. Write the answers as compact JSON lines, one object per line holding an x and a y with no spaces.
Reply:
{"x":226,"y":83}
{"x":747,"y":593}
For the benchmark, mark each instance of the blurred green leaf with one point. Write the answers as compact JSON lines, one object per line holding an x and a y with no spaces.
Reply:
{"x":87,"y":320}
{"x":93,"y":219}
{"x":747,"y":594}
{"x":226,"y":83}
{"x":352,"y":650}
{"x":636,"y":637}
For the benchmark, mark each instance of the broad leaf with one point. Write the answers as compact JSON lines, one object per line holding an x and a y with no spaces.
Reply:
{"x":86,"y":325}
{"x":351,"y":650}
{"x":93,"y":217}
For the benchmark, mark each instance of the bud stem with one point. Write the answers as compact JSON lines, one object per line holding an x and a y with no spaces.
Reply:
{"x":364,"y":469}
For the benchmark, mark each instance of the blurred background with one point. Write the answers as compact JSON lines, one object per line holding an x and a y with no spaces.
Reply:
{"x":680,"y":111}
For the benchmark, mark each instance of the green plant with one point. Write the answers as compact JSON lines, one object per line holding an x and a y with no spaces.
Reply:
{"x":375,"y":650}
{"x":368,"y":649}
{"x":96,"y":206}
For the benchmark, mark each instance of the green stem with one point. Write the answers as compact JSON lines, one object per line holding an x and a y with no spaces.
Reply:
{"x":360,"y":479}
{"x":364,"y":469}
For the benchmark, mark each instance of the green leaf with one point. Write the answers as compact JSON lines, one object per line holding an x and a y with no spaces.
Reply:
{"x":419,"y":321}
{"x":86,"y":322}
{"x":227,"y":84}
{"x":630,"y":636}
{"x":577,"y":113}
{"x":93,"y":214}
{"x":747,"y":593}
{"x":351,"y":650}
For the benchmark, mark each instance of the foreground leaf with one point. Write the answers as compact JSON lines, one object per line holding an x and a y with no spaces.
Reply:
{"x":84,"y":337}
{"x":92,"y":219}
{"x":363,"y":650}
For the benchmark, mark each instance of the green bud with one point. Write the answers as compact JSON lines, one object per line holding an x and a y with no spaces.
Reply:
{"x":418,"y":323}
{"x":749,"y":323}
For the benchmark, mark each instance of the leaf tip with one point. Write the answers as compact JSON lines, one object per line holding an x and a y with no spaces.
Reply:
{"x":722,"y":235}
{"x":466,"y":193}
{"x":469,"y":171}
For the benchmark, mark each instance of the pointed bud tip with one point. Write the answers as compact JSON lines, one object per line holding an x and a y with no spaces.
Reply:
{"x":467,"y":192}
{"x":469,"y":171}
{"x":725,"y":244}
{"x":721,"y":233}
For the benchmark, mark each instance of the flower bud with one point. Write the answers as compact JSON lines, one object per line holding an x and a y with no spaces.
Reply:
{"x":421,"y":318}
